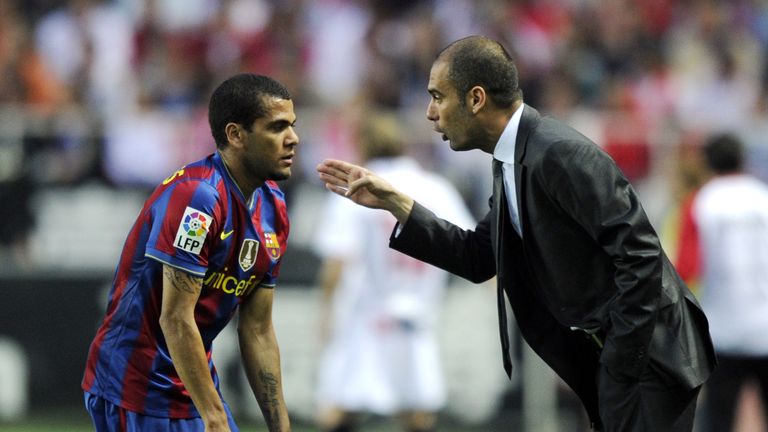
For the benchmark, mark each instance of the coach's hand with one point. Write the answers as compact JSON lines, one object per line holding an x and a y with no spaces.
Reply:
{"x":364,"y":187}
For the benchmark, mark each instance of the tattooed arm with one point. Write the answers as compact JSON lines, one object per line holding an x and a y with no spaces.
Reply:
{"x":261,"y":358}
{"x":177,"y":321}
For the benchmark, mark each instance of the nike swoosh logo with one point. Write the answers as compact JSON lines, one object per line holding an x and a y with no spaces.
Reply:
{"x":224,"y":235}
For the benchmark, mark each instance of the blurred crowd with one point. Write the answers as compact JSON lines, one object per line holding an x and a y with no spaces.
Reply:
{"x":115,"y":91}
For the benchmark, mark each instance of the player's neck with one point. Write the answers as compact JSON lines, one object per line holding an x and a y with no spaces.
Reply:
{"x":245,"y":182}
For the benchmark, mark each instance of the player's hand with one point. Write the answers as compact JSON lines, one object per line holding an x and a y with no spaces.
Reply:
{"x":217,"y":427}
{"x":217,"y":422}
{"x":364,"y":187}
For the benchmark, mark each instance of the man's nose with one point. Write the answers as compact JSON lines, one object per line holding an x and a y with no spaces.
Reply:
{"x":431,"y":111}
{"x":293,"y":137}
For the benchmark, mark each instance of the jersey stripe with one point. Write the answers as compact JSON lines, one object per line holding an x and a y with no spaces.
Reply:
{"x":128,"y":255}
{"x":135,"y":379}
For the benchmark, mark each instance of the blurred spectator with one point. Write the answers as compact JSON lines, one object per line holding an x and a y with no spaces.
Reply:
{"x":22,"y":84}
{"x":381,"y":307}
{"x":26,"y":78}
{"x":754,"y":135}
{"x":634,"y":68}
{"x":150,"y":133}
{"x":336,"y":49}
{"x":716,"y":63}
{"x":680,"y":232}
{"x":730,"y":214}
{"x":625,"y":134}
{"x":88,"y":44}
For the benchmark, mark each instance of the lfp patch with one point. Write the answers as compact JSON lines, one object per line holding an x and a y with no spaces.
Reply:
{"x":273,"y":247}
{"x":192,"y":230}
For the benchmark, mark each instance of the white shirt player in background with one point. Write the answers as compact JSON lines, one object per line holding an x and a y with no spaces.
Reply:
{"x":381,"y":354}
{"x":730,"y":213}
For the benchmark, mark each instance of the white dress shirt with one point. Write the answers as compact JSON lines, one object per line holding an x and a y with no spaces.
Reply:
{"x":505,"y":152}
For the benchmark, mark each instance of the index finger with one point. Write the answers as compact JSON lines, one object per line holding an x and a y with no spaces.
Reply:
{"x":335,"y":164}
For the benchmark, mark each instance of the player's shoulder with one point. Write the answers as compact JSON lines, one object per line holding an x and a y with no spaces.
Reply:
{"x":201,"y":173}
{"x":199,"y":181}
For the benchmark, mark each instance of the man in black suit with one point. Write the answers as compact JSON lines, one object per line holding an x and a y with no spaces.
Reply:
{"x":592,"y":291}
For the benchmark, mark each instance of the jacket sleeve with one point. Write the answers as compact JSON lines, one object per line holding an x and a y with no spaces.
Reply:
{"x":588,"y":186}
{"x":465,"y":253}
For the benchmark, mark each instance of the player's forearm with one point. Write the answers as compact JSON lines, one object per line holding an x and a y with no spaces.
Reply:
{"x":261,"y":358}
{"x":186,"y":348}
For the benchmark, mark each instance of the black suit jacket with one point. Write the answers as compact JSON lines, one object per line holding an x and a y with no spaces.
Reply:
{"x":588,"y":257}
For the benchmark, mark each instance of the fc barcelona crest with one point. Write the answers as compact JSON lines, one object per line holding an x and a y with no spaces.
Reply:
{"x":273,"y":247}
{"x":248,"y":252}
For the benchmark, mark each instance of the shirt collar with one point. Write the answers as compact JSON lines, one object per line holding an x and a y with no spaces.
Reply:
{"x":231,"y":179}
{"x":505,"y":148}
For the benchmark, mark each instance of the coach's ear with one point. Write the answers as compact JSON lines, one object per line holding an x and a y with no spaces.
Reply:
{"x":476,"y":99}
{"x":235,"y":134}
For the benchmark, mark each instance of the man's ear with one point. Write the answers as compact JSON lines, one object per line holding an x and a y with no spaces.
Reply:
{"x":234,"y":134}
{"x":476,"y":99}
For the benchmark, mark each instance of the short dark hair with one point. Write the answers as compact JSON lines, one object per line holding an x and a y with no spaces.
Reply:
{"x":480,"y":61}
{"x":240,"y":99}
{"x":724,"y":153}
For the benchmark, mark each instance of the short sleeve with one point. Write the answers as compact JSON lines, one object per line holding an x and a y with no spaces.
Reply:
{"x":181,"y":221}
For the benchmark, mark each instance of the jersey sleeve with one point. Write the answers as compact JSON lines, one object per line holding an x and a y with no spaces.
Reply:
{"x":270,"y":277}
{"x":275,"y":240}
{"x":182,"y":221}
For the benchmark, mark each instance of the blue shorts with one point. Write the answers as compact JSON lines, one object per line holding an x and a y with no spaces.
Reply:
{"x":108,"y":417}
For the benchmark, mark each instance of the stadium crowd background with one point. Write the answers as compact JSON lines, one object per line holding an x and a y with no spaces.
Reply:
{"x":100,"y":100}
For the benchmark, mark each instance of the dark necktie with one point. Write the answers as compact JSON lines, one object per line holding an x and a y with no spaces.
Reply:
{"x":502,"y":224}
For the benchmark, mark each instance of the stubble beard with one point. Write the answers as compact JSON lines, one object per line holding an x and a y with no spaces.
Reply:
{"x":280,"y":175}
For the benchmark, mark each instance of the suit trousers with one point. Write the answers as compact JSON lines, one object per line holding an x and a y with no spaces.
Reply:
{"x":650,"y":404}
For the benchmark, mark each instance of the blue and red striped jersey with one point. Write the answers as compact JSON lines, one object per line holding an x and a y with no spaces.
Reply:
{"x":200,"y":222}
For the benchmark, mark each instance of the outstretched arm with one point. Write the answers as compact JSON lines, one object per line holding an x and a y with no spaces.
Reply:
{"x":364,"y":188}
{"x":425,"y":237}
{"x":261,"y":358}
